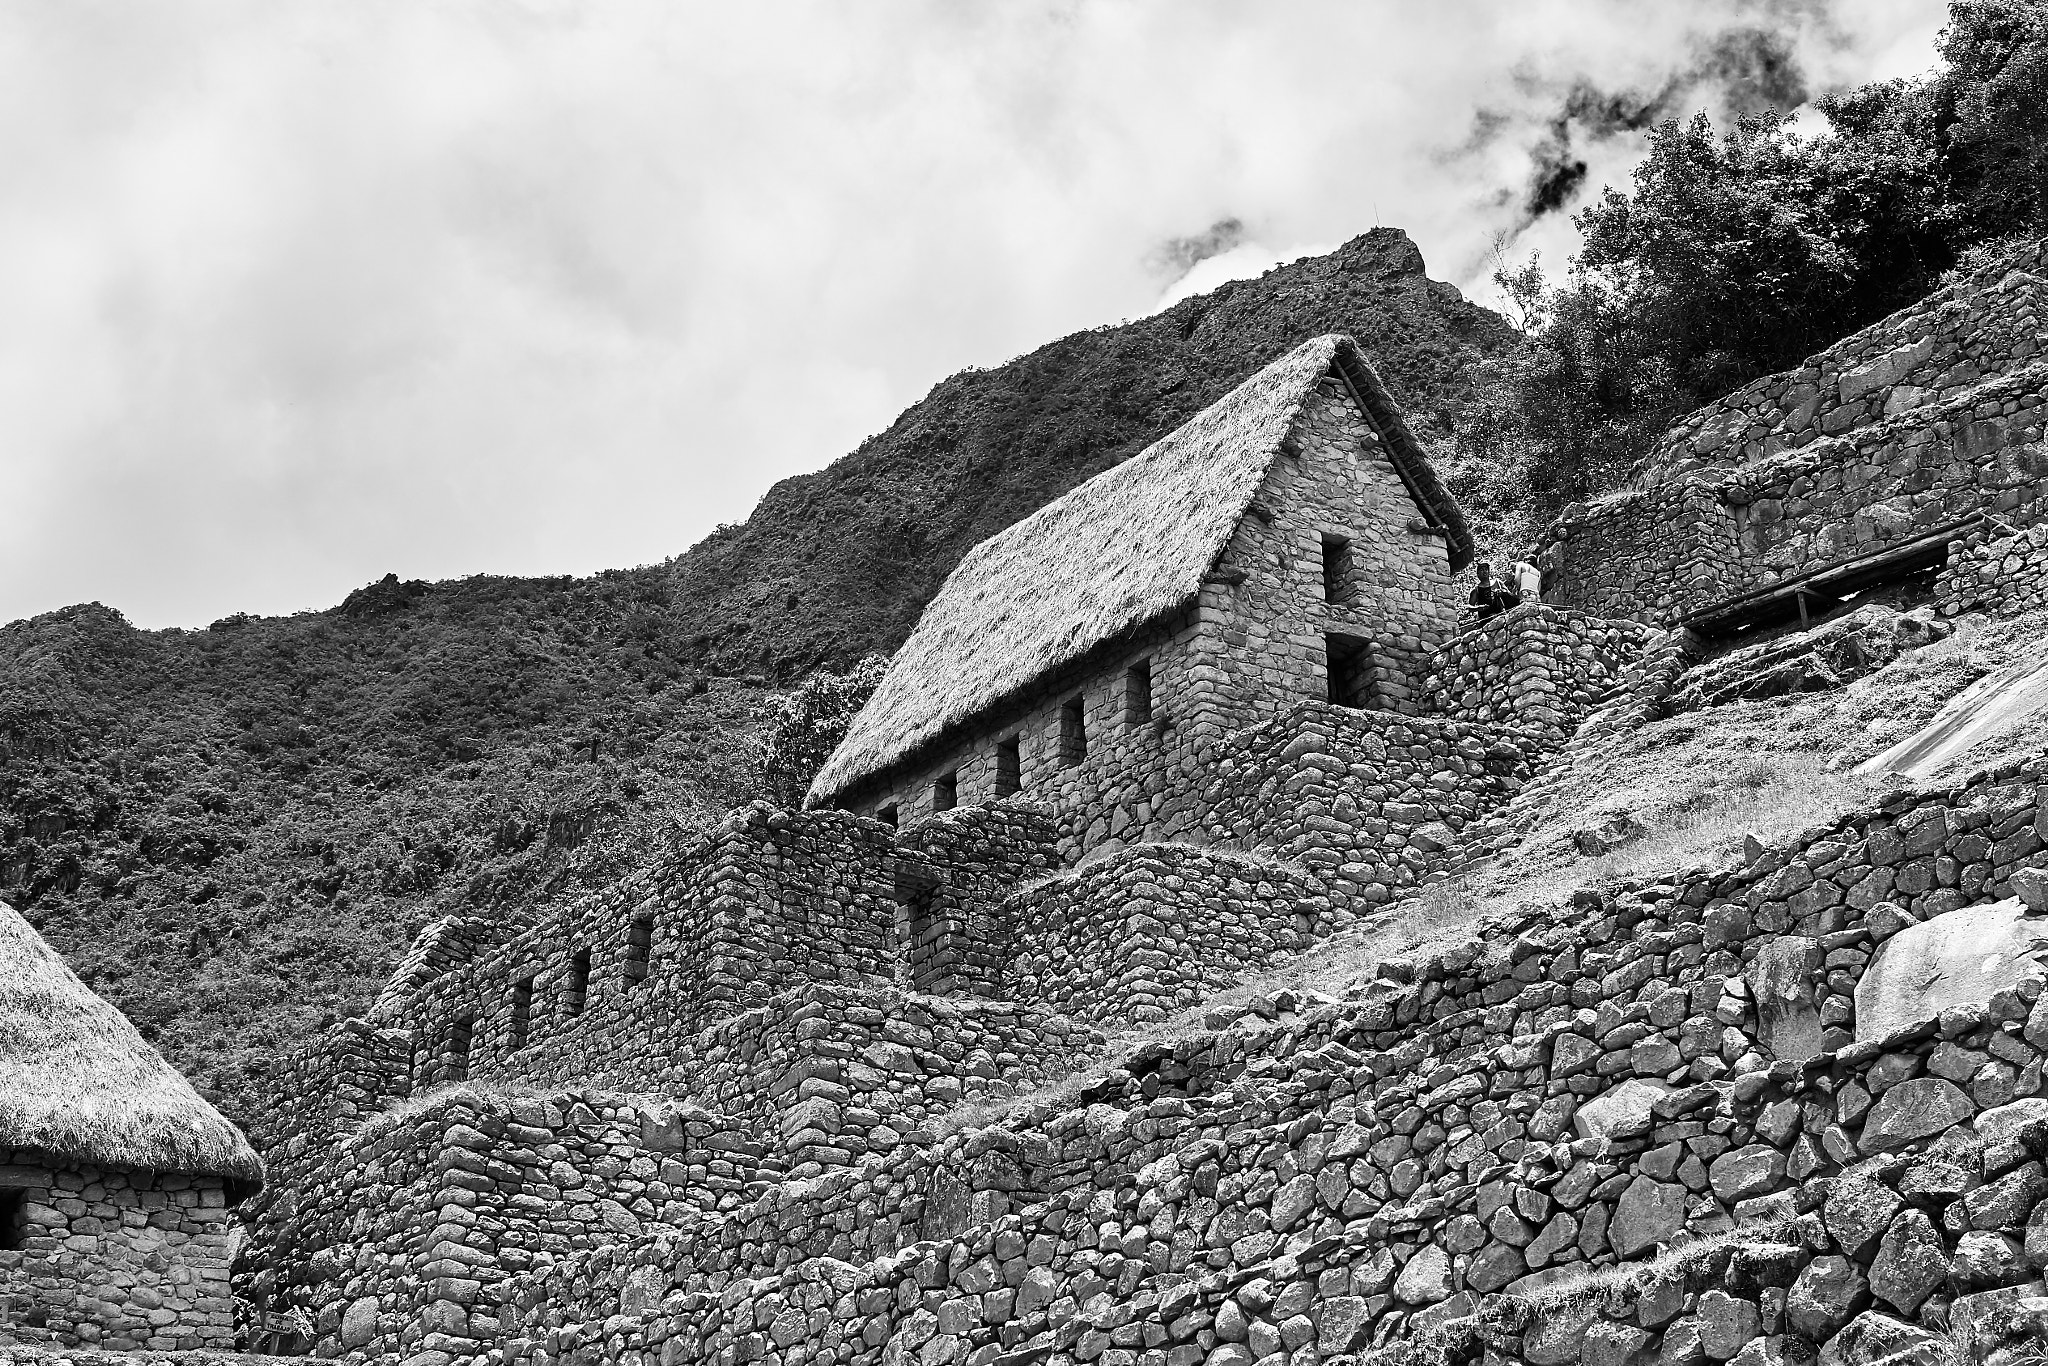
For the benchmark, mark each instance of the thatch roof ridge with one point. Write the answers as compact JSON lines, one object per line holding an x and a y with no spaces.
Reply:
{"x":1098,"y":564}
{"x":77,"y":1081}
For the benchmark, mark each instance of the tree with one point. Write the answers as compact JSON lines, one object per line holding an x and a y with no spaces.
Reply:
{"x":1993,"y":113}
{"x":802,"y":729}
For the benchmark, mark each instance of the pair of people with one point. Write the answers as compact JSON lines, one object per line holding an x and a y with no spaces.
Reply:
{"x":1524,"y":583}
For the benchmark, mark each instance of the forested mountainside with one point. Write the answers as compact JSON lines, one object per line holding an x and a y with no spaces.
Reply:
{"x":232,"y":833}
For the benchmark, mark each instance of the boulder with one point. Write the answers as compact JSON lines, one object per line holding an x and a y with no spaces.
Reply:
{"x":1963,"y":958}
{"x":1984,"y":1322}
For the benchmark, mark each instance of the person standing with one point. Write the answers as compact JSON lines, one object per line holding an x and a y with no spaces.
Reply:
{"x":1528,"y":581}
{"x":1486,"y":599}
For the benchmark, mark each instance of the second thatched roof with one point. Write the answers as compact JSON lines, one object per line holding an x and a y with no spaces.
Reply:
{"x":1122,"y":550}
{"x":77,"y":1081}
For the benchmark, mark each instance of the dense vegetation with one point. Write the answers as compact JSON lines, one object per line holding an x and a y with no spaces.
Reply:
{"x":233,"y":833}
{"x":1736,"y":253}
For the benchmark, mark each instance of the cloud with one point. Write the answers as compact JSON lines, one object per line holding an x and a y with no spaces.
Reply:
{"x":299,"y":294}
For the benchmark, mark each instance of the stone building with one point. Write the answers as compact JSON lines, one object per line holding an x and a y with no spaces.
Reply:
{"x":1289,"y":542}
{"x":116,"y":1179}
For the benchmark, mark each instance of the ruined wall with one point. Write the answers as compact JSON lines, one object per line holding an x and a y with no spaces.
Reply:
{"x":1989,"y":324}
{"x":1537,"y":667}
{"x":116,"y":1258}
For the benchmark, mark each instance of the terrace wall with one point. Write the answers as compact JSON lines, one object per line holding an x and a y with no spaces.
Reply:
{"x":1537,"y":667}
{"x":1657,"y":553}
{"x":1381,"y":1166}
{"x":1989,"y":324}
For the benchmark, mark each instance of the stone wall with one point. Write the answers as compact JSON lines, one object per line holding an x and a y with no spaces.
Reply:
{"x":1139,"y":935}
{"x":116,"y":1258}
{"x":2003,"y":575}
{"x":1991,"y":323}
{"x":404,"y":1231}
{"x":1932,"y":415}
{"x":1574,"y":1087}
{"x":1536,"y":667}
{"x":827,"y":1075}
{"x":1657,"y":553}
{"x":1646,"y":555}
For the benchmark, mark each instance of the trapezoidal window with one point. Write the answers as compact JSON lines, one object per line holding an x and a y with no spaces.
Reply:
{"x":522,"y":1015}
{"x":1073,"y":733}
{"x":1350,"y":671}
{"x":13,"y":1219}
{"x":1338,"y":583}
{"x":461,"y":1038}
{"x":946,"y":791}
{"x":639,"y":948}
{"x":887,"y":815}
{"x":1009,"y":767}
{"x":1138,"y":693}
{"x":577,"y":989}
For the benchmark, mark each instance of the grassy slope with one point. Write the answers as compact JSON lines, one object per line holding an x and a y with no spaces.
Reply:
{"x":231,"y":833}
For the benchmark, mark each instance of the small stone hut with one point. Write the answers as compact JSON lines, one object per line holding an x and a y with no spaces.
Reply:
{"x":116,"y":1179}
{"x":1288,"y":543}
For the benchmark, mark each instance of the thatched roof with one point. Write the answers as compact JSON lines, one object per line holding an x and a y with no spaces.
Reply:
{"x":77,"y":1081}
{"x":1127,"y":547}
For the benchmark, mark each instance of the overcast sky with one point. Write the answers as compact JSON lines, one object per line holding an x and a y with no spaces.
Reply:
{"x":294,"y":293}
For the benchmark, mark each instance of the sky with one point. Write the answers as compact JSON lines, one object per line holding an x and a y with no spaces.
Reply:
{"x":296,"y":294}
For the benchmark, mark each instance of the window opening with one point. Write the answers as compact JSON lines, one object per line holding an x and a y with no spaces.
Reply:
{"x":1009,"y":767}
{"x":577,"y":988}
{"x":13,"y":1219}
{"x":887,"y":815}
{"x":461,"y":1037}
{"x":639,"y":947}
{"x":1138,"y":693}
{"x":1337,"y":577}
{"x":1073,"y":733}
{"x":522,"y":1013}
{"x":1350,"y":671}
{"x":946,"y":791}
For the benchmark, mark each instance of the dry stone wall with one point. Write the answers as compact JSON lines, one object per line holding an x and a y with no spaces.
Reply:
{"x":1575,"y":1088}
{"x":1989,"y":324}
{"x":1143,"y":934}
{"x":1931,"y":416}
{"x":117,"y":1258}
{"x":2003,"y":575}
{"x":1535,"y":667}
